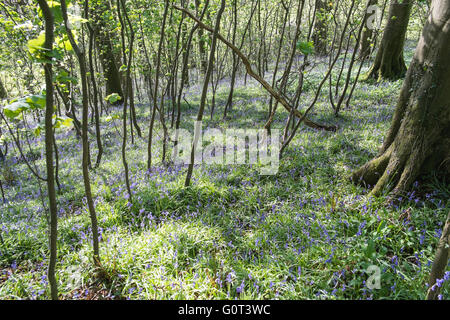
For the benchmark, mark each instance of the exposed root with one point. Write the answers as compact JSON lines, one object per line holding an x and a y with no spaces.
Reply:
{"x":371,"y":172}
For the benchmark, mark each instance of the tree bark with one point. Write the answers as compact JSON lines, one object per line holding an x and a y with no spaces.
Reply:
{"x":440,"y":261}
{"x":95,"y":93}
{"x":229,"y":103}
{"x":389,"y":62}
{"x":49,"y":36}
{"x":84,"y":134}
{"x":367,"y":38}
{"x":418,"y":140}
{"x":128,"y":92}
{"x":107,"y":58}
{"x":3,"y":93}
{"x":205,"y":91}
{"x":201,"y":43}
{"x":155,"y":95}
{"x":320,"y":27}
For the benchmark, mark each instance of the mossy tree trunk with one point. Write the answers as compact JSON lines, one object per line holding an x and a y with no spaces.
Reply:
{"x":389,"y":62}
{"x":320,"y":27}
{"x":440,"y":262}
{"x":49,"y":152}
{"x":418,"y":140}
{"x":105,"y":49}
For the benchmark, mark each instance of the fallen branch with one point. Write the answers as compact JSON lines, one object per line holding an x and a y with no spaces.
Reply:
{"x":252,"y":73}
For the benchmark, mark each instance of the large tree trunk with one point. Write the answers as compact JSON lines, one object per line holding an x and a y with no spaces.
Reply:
{"x":320,"y":27}
{"x":389,"y":62}
{"x":418,"y":141}
{"x":107,"y":58}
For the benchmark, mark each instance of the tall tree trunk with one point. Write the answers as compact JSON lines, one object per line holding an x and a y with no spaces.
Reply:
{"x":95,"y":94}
{"x":201,"y":42}
{"x":320,"y":27}
{"x":49,"y":36}
{"x":84,"y":133}
{"x":205,"y":91}
{"x":236,"y":62}
{"x":272,"y":108}
{"x":284,"y":79}
{"x":107,"y":58}
{"x":229,"y":103}
{"x":418,"y":140}
{"x":389,"y":62}
{"x":184,"y":73}
{"x":128,"y":92}
{"x":155,"y":95}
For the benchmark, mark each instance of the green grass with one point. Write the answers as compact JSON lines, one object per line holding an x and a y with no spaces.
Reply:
{"x":306,"y":233}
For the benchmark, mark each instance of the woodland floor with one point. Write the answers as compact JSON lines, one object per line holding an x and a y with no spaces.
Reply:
{"x":305,"y":233}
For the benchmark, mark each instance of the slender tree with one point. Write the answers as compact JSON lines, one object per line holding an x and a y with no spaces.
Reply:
{"x":120,"y":3}
{"x":48,"y":45}
{"x":94,"y":88}
{"x":201,"y":42}
{"x":84,"y":132}
{"x":205,"y":90}
{"x":155,"y":94}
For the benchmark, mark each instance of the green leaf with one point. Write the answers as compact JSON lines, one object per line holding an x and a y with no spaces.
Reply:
{"x":37,"y":131}
{"x":64,"y":43}
{"x":36,"y":101}
{"x":113,"y":98}
{"x":62,"y":122}
{"x":35,"y":46}
{"x":76,"y":21}
{"x":66,"y":122}
{"x":15,"y":109}
{"x":63,"y":77}
{"x":123,"y":68}
{"x":112,"y":118}
{"x":18,"y":106}
{"x":370,"y":249}
{"x":39,"y":53}
{"x":306,"y":47}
